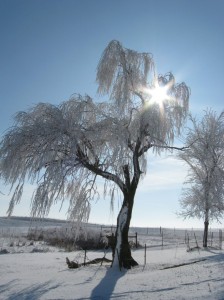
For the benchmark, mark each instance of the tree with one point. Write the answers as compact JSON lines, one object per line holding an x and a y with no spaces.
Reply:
{"x":66,"y":148}
{"x":204,"y":195}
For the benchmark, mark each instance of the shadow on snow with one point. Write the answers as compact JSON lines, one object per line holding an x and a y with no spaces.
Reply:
{"x":105,"y":287}
{"x":6,"y":286}
{"x":33,"y":292}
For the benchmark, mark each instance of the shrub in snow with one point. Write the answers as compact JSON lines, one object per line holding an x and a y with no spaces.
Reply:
{"x":67,"y":238}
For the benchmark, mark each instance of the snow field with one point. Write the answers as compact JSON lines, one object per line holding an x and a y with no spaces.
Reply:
{"x":46,"y":276}
{"x":39,"y":271}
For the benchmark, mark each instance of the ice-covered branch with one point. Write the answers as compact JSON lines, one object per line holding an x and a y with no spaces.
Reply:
{"x":203,"y":196}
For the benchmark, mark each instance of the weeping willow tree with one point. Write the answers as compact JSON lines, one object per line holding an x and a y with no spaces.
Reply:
{"x":65,"y":148}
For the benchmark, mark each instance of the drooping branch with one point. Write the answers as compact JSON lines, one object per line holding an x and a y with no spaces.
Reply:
{"x":96,"y":170}
{"x":121,"y":71}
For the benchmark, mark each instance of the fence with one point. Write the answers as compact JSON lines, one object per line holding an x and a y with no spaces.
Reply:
{"x":155,"y":237}
{"x":165,"y":237}
{"x":152,"y":237}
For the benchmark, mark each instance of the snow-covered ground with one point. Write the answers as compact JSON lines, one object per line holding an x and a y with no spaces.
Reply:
{"x":38,"y":271}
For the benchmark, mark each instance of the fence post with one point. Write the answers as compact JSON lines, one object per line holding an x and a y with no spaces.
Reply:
{"x":220,"y":239}
{"x":85,"y":257}
{"x":145,"y":256}
{"x":136,"y":239}
{"x":188,"y":242}
{"x":162,"y":239}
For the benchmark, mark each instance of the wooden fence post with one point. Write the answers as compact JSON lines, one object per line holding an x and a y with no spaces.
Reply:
{"x":145,"y":256}
{"x":220,"y":239}
{"x":188,"y":242}
{"x":136,"y":239}
{"x":162,"y":239}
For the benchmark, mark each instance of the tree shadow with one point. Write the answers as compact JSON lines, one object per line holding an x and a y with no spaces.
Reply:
{"x":217,"y":256}
{"x":33,"y":292}
{"x":106,"y":286}
{"x":6,"y":286}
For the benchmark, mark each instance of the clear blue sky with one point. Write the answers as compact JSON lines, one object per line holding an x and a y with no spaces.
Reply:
{"x":50,"y":49}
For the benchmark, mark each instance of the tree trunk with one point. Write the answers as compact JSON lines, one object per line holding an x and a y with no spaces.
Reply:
{"x":122,"y":256}
{"x":205,"y":237}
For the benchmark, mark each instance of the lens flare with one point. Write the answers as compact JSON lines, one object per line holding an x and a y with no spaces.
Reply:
{"x":157,"y":94}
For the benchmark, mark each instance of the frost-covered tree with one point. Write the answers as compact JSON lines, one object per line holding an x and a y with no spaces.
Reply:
{"x":203,"y":196}
{"x":66,"y":148}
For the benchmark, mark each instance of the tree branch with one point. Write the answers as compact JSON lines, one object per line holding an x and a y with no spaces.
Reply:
{"x":84,"y":160}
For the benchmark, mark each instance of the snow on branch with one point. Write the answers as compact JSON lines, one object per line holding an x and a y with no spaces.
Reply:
{"x":203,"y":196}
{"x":122,"y":71}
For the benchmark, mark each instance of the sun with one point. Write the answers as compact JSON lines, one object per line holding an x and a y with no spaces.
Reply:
{"x":157,"y":94}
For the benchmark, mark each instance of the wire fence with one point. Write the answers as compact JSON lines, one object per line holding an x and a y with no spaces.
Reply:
{"x":152,"y":237}
{"x":167,"y":237}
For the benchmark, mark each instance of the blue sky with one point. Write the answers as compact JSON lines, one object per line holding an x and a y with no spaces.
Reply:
{"x":50,"y":49}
